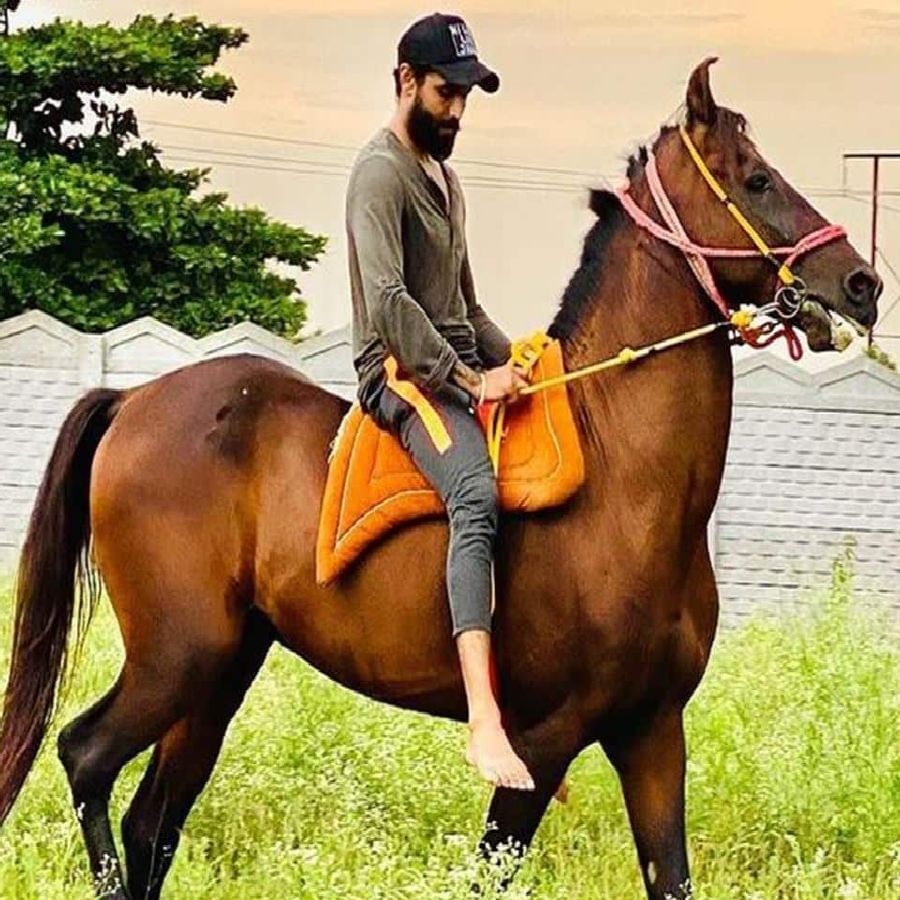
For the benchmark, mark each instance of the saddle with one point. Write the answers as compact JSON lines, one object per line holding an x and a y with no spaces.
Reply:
{"x":374,"y":487}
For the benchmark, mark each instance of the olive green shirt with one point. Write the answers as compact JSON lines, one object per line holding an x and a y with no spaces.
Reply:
{"x":410,"y":280}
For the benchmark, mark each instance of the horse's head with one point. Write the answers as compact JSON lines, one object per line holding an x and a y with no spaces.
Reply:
{"x":834,"y":278}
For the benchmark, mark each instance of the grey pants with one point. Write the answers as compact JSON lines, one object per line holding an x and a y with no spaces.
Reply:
{"x":464,"y":479}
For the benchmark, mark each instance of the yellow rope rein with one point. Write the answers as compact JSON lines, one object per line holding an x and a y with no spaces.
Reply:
{"x":627,"y":355}
{"x":525,"y":353}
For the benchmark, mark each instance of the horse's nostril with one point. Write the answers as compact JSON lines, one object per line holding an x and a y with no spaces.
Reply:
{"x":863,"y":285}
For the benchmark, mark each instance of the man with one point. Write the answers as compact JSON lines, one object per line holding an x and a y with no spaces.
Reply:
{"x":414,"y":305}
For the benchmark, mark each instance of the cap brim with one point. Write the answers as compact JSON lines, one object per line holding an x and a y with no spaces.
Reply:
{"x":469,"y":73}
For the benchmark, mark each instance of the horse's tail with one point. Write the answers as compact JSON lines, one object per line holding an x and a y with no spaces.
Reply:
{"x":54,"y":557}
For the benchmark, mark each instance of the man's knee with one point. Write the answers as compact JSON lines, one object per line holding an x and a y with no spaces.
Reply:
{"x":474,"y":495}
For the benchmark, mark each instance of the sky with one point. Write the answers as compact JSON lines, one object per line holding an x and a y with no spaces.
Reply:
{"x":582,"y":84}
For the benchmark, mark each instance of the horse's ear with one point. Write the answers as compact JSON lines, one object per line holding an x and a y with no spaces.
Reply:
{"x":700,"y":103}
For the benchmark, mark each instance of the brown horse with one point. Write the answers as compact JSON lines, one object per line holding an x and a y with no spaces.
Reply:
{"x":201,"y":493}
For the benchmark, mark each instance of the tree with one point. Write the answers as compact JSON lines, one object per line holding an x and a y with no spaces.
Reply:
{"x":94,"y":229}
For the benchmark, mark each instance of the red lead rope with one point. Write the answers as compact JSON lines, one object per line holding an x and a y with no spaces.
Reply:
{"x":758,"y":339}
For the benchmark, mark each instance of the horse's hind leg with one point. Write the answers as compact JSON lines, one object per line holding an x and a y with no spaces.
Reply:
{"x":91,"y":785}
{"x":93,"y":749}
{"x":156,"y":688}
{"x":182,"y":763}
{"x":651,"y":766}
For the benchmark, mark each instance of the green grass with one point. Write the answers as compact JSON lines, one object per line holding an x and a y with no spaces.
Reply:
{"x":793,"y":785}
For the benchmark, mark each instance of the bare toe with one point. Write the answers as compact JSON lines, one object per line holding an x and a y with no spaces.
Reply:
{"x":492,"y":755}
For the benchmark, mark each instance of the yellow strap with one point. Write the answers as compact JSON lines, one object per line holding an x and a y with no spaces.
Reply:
{"x":494,"y":434}
{"x":524,"y":354}
{"x":784,"y":273}
{"x":433,"y":423}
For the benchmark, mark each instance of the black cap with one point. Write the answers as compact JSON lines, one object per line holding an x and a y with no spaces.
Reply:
{"x":445,"y":44}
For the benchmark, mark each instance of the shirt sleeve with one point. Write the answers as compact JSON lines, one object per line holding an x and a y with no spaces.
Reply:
{"x":374,"y":230}
{"x":492,"y":344}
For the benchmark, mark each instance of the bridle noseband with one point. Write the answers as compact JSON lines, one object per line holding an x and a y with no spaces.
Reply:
{"x":792,"y":291}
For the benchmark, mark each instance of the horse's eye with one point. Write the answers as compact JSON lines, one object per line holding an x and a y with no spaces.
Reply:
{"x":758,"y":183}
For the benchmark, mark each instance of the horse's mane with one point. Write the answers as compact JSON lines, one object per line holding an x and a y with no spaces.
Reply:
{"x":583,"y":287}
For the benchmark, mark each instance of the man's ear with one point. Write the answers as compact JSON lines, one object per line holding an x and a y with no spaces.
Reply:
{"x":407,"y":78}
{"x":701,"y":106}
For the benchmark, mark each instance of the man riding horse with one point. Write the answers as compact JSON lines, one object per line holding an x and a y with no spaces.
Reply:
{"x":199,"y":496}
{"x":414,"y":308}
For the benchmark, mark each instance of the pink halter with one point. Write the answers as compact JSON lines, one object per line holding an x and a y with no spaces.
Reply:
{"x":788,"y":298}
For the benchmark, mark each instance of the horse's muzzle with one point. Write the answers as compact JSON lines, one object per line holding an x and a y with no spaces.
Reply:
{"x":862,"y":288}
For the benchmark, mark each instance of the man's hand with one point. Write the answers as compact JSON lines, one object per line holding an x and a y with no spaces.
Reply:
{"x":503,"y":383}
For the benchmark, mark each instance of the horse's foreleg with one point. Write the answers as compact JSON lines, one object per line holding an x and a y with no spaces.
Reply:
{"x":651,"y":767}
{"x":514,"y":816}
{"x":182,"y":763}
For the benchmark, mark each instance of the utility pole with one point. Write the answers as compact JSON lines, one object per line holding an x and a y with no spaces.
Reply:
{"x":876,"y":166}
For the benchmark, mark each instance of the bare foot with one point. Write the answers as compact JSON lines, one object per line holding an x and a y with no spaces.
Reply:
{"x":491,"y":753}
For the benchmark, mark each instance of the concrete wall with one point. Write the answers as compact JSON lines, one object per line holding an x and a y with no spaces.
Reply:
{"x":45,"y":366}
{"x":813,"y":462}
{"x":814,"y":459}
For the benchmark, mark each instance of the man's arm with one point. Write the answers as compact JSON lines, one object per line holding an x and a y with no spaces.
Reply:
{"x":492,"y":344}
{"x":468,"y":379}
{"x":374,"y":231}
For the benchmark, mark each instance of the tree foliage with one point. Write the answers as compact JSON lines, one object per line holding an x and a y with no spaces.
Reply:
{"x":94,"y":229}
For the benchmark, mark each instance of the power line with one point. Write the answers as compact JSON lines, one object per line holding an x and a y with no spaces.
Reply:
{"x":881,"y":206}
{"x":823,"y":192}
{"x":884,"y":207}
{"x":249,"y":134}
{"x":335,"y":169}
{"x":887,"y":312}
{"x":241,"y":154}
{"x":887,"y":262}
{"x":332,"y":146}
{"x":201,"y":155}
{"x":469,"y":179}
{"x":470,"y":182}
{"x":893,"y":272}
{"x":844,"y":192}
{"x":205,"y":162}
{"x":322,"y":167}
{"x":261,"y":156}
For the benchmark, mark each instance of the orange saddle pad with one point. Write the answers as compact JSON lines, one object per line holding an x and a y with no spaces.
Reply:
{"x":373,"y":486}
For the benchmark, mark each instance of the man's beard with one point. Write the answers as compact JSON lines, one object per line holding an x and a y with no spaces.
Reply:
{"x":429,"y":134}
